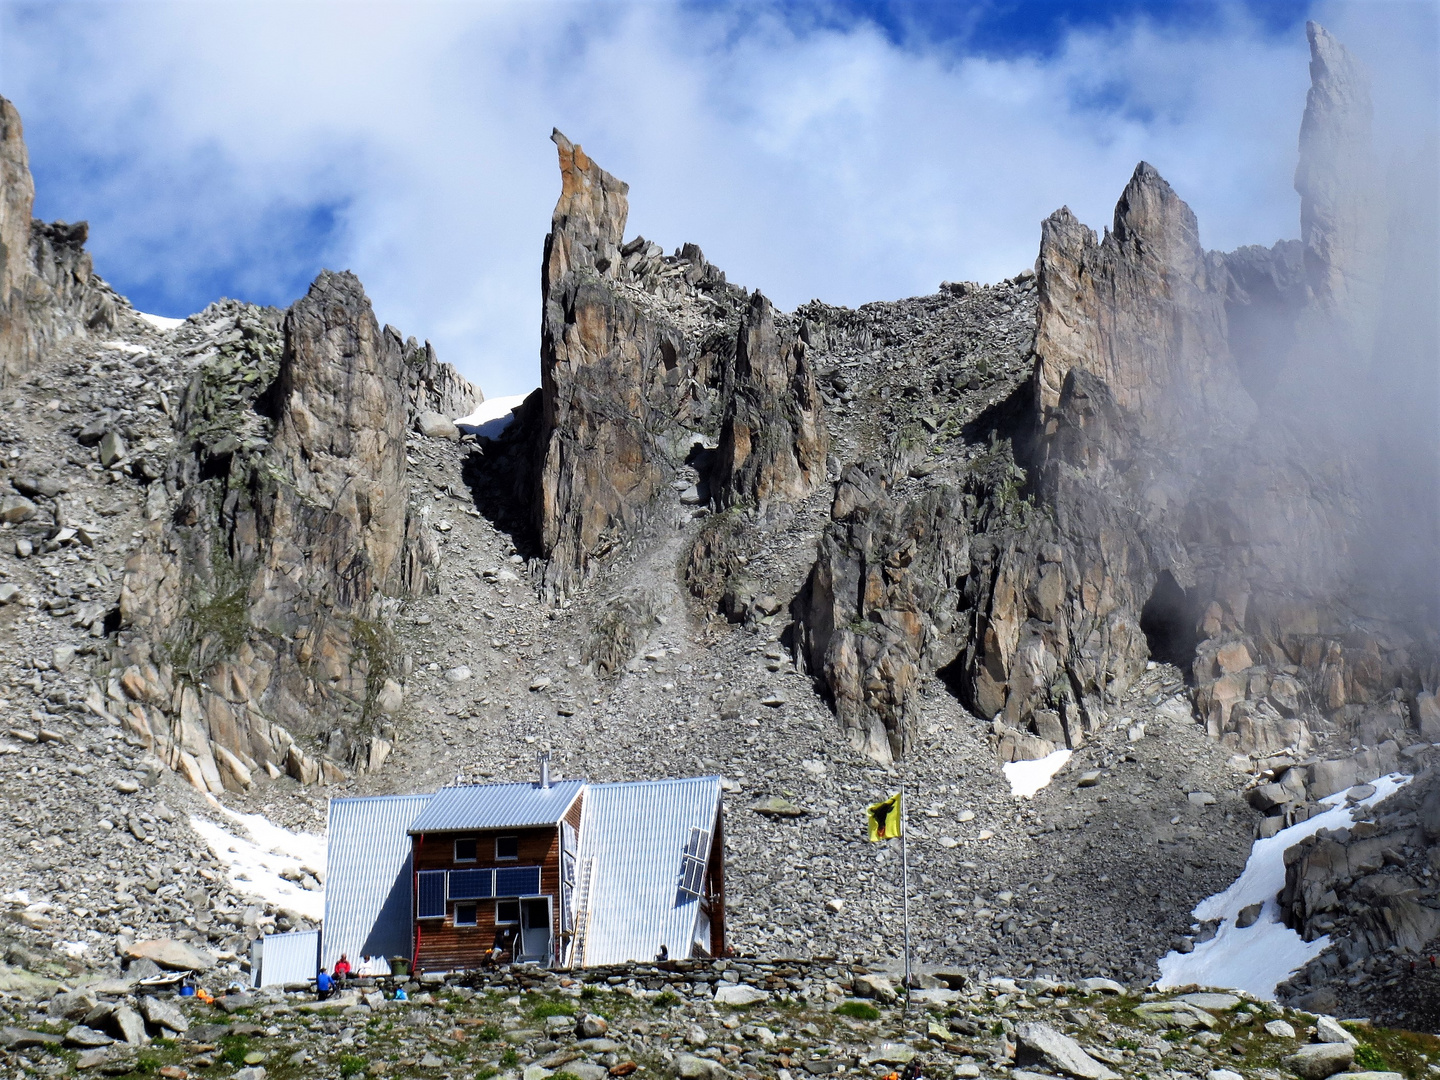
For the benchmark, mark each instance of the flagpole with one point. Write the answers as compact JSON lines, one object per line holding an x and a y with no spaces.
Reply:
{"x":905,"y":887}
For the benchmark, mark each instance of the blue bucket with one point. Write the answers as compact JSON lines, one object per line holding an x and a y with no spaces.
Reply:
{"x":187,"y":991}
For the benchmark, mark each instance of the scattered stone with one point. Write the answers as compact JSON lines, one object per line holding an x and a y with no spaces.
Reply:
{"x":690,"y":1067}
{"x":14,"y":1038}
{"x":86,"y":1037}
{"x":777,"y":807}
{"x":1280,"y":1029}
{"x":1248,"y":915}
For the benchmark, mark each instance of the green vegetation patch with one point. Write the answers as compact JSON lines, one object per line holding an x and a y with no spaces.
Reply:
{"x":858,"y":1010}
{"x":351,"y":1064}
{"x":233,"y":1049}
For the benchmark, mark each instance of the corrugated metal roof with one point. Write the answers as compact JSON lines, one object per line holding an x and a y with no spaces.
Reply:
{"x":368,"y":890}
{"x":497,"y":806}
{"x":636,"y":833}
{"x":288,"y":958}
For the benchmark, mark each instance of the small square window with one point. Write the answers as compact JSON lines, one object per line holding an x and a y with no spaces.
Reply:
{"x":465,"y":914}
{"x":507,"y":847}
{"x":507,"y":912}
{"x":465,"y":850}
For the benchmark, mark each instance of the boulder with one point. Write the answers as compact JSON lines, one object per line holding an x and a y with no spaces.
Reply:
{"x":590,"y":1026}
{"x":86,"y":1038}
{"x":128,"y":1025}
{"x":17,"y":508}
{"x":1320,"y":1060}
{"x":1328,"y":1030}
{"x":434,"y":425}
{"x":112,"y":449}
{"x":1211,"y":1002}
{"x":1041,"y":1044}
{"x":161,"y":1013}
{"x":739,"y":994}
{"x":879,"y":987}
{"x":690,"y":1067}
{"x":16,"y":1038}
{"x":170,"y":954}
{"x":1174,"y":1014}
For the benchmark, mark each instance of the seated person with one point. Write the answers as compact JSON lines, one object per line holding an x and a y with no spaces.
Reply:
{"x":324,"y":986}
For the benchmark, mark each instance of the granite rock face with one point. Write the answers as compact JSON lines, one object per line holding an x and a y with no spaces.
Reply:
{"x":881,"y":603}
{"x":1371,"y":886}
{"x":48,"y":287}
{"x":257,"y":606}
{"x":647,"y":360}
{"x":1144,"y":311}
{"x":773,"y":440}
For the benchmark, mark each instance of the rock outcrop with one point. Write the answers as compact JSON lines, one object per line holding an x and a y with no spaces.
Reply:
{"x":433,"y":385}
{"x":256,"y":606}
{"x":48,"y":287}
{"x":644,"y":359}
{"x":1133,"y":383}
{"x":1176,"y":518}
{"x":1374,"y":887}
{"x":881,"y":603}
{"x":1144,"y":311}
{"x":773,"y":440}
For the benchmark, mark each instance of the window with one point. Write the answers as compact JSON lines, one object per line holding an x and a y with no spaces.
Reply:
{"x":465,"y":850}
{"x":430,"y":894}
{"x":507,"y":847}
{"x":507,"y":912}
{"x":465,"y":914}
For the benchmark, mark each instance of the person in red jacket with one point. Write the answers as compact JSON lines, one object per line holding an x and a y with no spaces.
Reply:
{"x":342,"y":967}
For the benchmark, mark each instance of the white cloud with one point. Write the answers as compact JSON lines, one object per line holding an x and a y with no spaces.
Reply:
{"x":816,"y":162}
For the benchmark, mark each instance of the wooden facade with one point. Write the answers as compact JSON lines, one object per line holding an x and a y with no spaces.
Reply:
{"x":443,"y":945}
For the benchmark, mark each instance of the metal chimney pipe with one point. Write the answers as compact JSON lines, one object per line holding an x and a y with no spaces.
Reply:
{"x":545,"y":769}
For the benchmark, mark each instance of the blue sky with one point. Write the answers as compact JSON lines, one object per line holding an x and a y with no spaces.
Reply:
{"x":842,"y":150}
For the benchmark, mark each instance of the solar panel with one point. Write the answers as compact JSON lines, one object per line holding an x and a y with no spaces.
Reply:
{"x":698,"y":846}
{"x":692,"y":875}
{"x":517,"y":881}
{"x":472,"y":884}
{"x":430,"y":894}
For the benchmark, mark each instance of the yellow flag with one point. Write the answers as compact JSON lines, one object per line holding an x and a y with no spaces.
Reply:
{"x":883,"y":819}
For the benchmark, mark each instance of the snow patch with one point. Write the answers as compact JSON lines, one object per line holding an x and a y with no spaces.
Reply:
{"x":160,"y":322}
{"x":493,"y":416}
{"x":125,"y":347}
{"x":256,"y":863}
{"x":1028,"y":777}
{"x":74,"y":949}
{"x":1260,"y":957}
